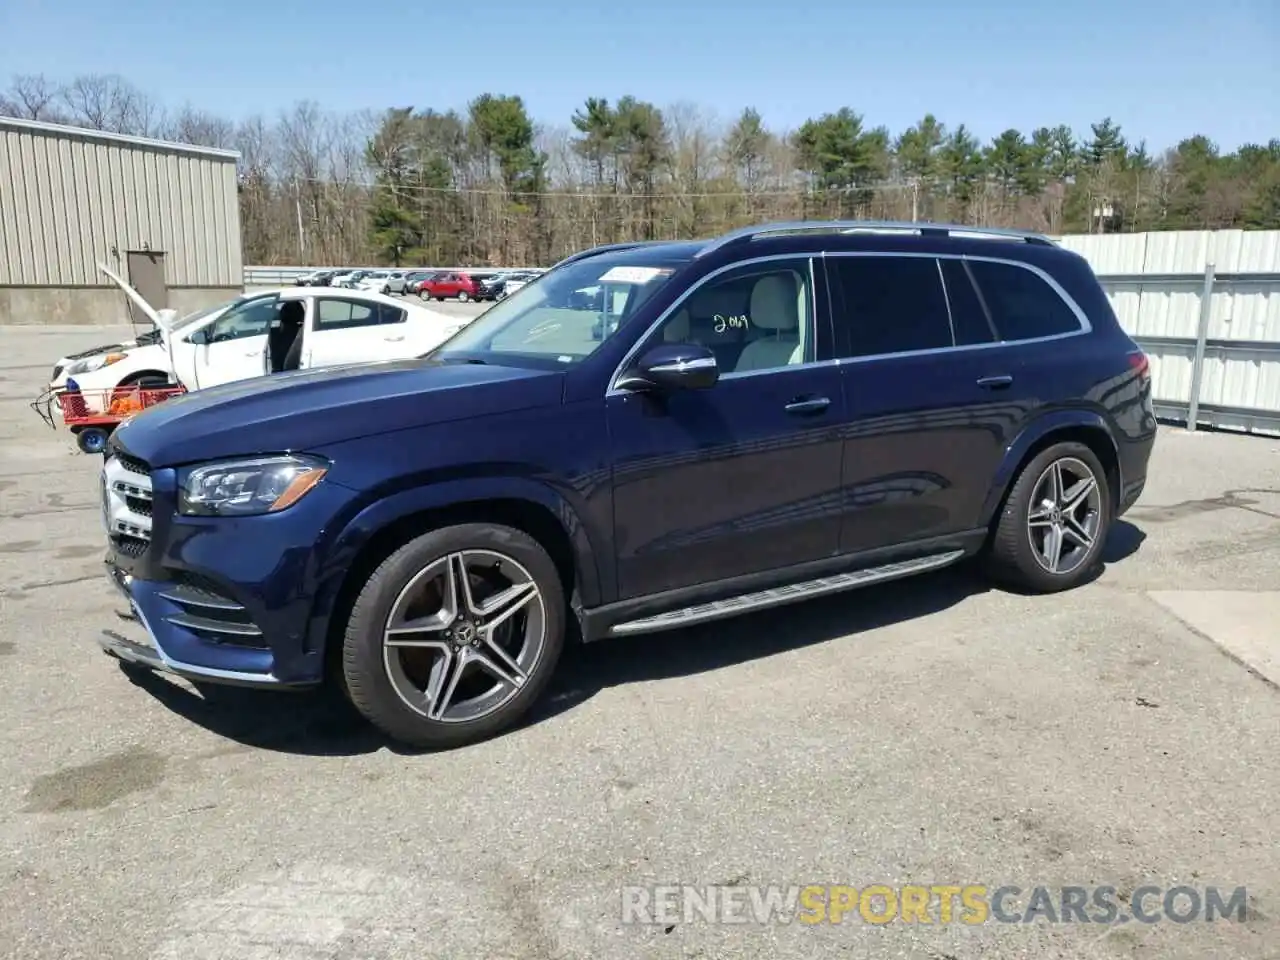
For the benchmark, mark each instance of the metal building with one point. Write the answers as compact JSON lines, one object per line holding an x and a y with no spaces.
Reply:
{"x":165,"y":216}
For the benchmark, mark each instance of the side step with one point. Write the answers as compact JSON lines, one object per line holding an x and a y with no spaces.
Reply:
{"x":777,"y":596}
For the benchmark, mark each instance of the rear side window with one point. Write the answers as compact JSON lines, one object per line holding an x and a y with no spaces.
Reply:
{"x":1021,"y":304}
{"x":891,"y":304}
{"x":348,"y":314}
{"x":968,"y":319}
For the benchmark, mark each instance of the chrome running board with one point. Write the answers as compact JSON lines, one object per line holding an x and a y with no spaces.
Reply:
{"x":777,"y":596}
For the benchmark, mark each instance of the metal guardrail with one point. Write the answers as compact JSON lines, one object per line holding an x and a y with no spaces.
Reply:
{"x":257,"y":276}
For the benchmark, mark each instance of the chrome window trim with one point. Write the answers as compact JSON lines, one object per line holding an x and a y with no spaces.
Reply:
{"x":613,"y":390}
{"x":1085,"y":326}
{"x":1081,"y":317}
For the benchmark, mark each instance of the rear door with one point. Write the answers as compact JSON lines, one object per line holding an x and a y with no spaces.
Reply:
{"x":349,"y":330}
{"x":929,"y":416}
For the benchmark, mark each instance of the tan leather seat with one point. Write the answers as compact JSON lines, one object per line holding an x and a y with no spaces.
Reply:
{"x":775,"y":307}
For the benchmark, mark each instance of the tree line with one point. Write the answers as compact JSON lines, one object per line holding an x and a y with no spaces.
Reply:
{"x":487,"y":185}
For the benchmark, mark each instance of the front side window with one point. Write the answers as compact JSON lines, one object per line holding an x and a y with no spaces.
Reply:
{"x":1021,"y":304}
{"x":891,"y":304}
{"x":753,"y":318}
{"x":334,"y":314}
{"x":250,"y":319}
{"x":564,"y":317}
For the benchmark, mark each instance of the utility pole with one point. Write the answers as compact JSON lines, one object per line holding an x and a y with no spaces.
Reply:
{"x":297,"y":209}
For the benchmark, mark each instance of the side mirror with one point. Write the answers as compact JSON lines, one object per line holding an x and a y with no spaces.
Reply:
{"x":672,"y":366}
{"x":200,"y":336}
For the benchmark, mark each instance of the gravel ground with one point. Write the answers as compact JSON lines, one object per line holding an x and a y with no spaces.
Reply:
{"x":933,"y":731}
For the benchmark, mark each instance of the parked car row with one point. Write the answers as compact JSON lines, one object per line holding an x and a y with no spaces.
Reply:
{"x":467,"y":285}
{"x":653,"y":435}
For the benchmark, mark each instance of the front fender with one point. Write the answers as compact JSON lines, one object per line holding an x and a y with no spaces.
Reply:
{"x":380,"y":514}
{"x":1032,"y":434}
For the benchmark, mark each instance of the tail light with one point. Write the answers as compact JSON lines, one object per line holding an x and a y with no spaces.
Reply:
{"x":1140,"y":365}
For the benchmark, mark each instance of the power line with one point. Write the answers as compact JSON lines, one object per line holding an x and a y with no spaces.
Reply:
{"x":579,"y":194}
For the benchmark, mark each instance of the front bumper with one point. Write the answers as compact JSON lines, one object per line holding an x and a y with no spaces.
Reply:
{"x":132,"y":638}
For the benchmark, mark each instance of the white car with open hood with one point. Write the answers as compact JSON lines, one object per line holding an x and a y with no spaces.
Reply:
{"x":266,"y":332}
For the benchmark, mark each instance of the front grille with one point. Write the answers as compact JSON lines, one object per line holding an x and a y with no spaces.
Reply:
{"x":210,"y":614}
{"x":126,"y":503}
{"x":134,"y":465}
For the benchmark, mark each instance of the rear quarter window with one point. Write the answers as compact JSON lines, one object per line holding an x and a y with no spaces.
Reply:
{"x":1021,"y":304}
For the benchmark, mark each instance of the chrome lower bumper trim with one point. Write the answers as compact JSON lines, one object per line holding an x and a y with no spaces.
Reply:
{"x":146,"y":650}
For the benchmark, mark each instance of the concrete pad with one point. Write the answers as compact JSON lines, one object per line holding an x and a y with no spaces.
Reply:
{"x":1244,"y":623}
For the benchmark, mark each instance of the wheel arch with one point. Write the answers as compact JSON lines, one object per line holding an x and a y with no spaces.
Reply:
{"x":137,"y":375}
{"x":385,"y":525}
{"x":1080,"y":426}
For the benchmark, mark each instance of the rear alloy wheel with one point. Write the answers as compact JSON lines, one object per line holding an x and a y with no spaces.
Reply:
{"x":462,"y":296}
{"x":1055,"y":521}
{"x":455,"y":635}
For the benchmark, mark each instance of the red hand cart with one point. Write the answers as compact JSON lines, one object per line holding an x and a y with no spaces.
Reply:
{"x":93,"y":414}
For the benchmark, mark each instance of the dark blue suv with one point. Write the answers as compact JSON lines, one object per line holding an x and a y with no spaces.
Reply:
{"x":648,"y":436}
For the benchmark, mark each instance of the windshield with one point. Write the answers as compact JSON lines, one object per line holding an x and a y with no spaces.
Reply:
{"x":565,"y":316}
{"x":191,"y":318}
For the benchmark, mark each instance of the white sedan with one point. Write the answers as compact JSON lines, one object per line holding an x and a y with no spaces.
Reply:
{"x":261,"y":333}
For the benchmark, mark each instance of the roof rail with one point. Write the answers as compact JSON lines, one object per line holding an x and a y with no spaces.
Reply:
{"x":761,"y":231}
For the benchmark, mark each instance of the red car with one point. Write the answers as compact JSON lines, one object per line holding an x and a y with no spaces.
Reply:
{"x":459,"y":286}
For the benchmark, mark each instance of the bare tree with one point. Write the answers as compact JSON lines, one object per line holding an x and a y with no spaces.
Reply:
{"x":111,"y":103}
{"x":32,"y":97}
{"x":199,"y":127}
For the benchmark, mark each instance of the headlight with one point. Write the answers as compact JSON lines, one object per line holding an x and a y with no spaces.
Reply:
{"x":243,"y":488}
{"x":95,"y":363}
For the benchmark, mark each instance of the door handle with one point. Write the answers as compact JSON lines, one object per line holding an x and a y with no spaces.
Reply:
{"x":807,"y":405}
{"x":995,"y":383}
{"x":253,"y":353}
{"x":393,"y":339}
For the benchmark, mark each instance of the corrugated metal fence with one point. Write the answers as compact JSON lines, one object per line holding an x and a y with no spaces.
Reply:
{"x":1203,"y":304}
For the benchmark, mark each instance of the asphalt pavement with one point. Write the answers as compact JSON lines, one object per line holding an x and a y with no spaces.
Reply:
{"x":933,"y":731}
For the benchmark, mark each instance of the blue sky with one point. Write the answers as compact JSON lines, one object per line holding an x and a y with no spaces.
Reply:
{"x":1163,"y":69}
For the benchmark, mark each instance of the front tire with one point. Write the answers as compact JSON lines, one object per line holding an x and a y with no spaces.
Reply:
{"x":1050,"y":534}
{"x":455,"y":635}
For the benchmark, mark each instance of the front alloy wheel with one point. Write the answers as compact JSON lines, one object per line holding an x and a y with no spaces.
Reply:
{"x":455,"y":635}
{"x":464,"y":635}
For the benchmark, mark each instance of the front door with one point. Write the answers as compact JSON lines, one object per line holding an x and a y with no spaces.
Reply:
{"x":146,"y":275}
{"x":743,"y":477}
{"x":925,"y":436}
{"x":232,"y":347}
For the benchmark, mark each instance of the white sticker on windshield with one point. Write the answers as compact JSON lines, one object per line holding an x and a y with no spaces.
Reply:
{"x":632,"y":274}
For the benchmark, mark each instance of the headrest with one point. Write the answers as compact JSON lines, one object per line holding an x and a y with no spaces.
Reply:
{"x":773,"y":303}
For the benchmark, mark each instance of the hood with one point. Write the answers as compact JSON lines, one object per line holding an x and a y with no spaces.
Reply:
{"x":163,"y":319}
{"x":311,"y":409}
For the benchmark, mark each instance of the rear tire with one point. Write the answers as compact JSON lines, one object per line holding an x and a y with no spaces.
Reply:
{"x":435,"y":675}
{"x":463,"y":297}
{"x":1050,"y":535}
